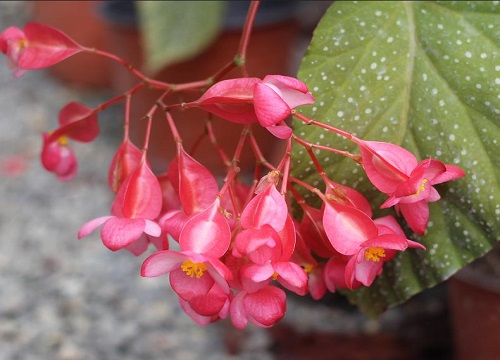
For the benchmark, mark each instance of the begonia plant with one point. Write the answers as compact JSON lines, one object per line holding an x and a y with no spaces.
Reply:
{"x":388,"y":183}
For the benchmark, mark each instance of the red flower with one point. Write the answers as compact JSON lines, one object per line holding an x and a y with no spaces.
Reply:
{"x":248,"y":100}
{"x":352,"y":233}
{"x":37,"y":47}
{"x":57,"y":157}
{"x":77,"y":122}
{"x":137,"y":204}
{"x":196,"y":273}
{"x":409,"y":184}
{"x":263,"y":307}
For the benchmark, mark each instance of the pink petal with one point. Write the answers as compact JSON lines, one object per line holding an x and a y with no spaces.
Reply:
{"x":386,"y":165}
{"x":46,"y":46}
{"x":388,"y":225}
{"x":452,"y":172}
{"x":59,"y":159}
{"x":265,"y":307}
{"x":397,"y":156}
{"x":334,"y":273}
{"x":260,"y":245}
{"x":387,"y":241}
{"x":9,"y":35}
{"x":125,"y":160}
{"x":91,"y":225}
{"x":219,"y":272}
{"x":416,"y":215}
{"x":270,"y":108}
{"x":140,"y":195}
{"x":170,"y":197}
{"x":207,"y":233}
{"x":173,"y":222}
{"x":151,"y":228}
{"x":161,"y":263}
{"x":280,"y":131}
{"x":211,"y":303}
{"x":292,"y":277}
{"x":288,"y":239}
{"x":118,"y":233}
{"x":282,"y":81}
{"x":238,"y":312}
{"x":231,"y":89}
{"x":316,"y":283}
{"x":258,"y":273}
{"x":364,"y":271}
{"x":348,"y":196}
{"x":231,"y":100}
{"x":197,"y":185}
{"x":267,"y":207}
{"x":294,"y":92}
{"x":139,"y":246}
{"x":347,"y":227}
{"x":199,"y":319}
{"x":77,"y":122}
{"x":188,"y":287}
{"x":313,"y":233}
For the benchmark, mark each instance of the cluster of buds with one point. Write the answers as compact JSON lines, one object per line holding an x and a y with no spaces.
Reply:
{"x":230,"y":248}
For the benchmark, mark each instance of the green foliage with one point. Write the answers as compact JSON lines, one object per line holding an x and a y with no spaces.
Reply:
{"x":175,"y":30}
{"x":426,"y":76}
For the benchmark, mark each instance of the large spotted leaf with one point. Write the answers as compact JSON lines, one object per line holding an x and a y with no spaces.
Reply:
{"x":426,"y":76}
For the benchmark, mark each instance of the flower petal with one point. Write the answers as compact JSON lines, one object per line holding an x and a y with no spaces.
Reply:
{"x":91,"y":225}
{"x":269,"y":107}
{"x":161,"y":263}
{"x":46,"y":47}
{"x":347,"y":227}
{"x":118,"y":233}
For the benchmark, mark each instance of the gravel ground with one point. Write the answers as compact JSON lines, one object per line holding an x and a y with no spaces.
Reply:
{"x":65,"y":299}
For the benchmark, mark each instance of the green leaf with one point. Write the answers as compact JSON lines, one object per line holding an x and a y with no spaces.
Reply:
{"x":175,"y":30}
{"x":423,"y":75}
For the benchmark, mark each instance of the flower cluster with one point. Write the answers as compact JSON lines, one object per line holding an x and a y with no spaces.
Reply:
{"x":231,"y":248}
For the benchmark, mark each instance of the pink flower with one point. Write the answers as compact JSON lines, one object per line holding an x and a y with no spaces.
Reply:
{"x":12,"y":42}
{"x":354,"y":234}
{"x":267,"y":207}
{"x":409,"y":184}
{"x":248,"y":100}
{"x":195,"y":187}
{"x":125,"y":160}
{"x":37,"y":47}
{"x":137,"y":204}
{"x":77,"y":122}
{"x":196,"y":273}
{"x":263,"y":307}
{"x":57,"y":157}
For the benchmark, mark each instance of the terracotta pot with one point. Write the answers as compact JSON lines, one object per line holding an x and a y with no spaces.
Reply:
{"x":269,"y":53}
{"x":80,"y":21}
{"x":475,"y":312}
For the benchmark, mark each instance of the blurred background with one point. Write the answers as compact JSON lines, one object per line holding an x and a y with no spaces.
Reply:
{"x":65,"y":299}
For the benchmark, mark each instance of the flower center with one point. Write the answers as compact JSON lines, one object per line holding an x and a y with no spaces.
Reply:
{"x":374,"y":254}
{"x":193,"y":269}
{"x":308,"y":268}
{"x":62,"y":140}
{"x":421,"y":188}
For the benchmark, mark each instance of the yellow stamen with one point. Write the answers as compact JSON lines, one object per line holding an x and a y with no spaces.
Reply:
{"x":22,"y":43}
{"x":308,"y":268}
{"x":374,"y":254}
{"x":62,"y":140}
{"x":275,"y":276}
{"x":420,"y":188}
{"x":193,"y":269}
